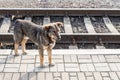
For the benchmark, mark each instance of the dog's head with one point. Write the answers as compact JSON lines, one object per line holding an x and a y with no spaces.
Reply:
{"x":53,"y":30}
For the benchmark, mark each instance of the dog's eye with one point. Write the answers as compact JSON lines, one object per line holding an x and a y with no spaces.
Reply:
{"x":54,"y":31}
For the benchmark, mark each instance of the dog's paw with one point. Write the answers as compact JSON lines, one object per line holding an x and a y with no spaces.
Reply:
{"x":16,"y":55}
{"x":51,"y":65}
{"x":24,"y":53}
{"x":42,"y":66}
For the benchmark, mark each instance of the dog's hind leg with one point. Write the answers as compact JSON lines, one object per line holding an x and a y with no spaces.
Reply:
{"x":23,"y":44}
{"x":16,"y":48}
{"x":49,"y":50}
{"x":17,"y":40}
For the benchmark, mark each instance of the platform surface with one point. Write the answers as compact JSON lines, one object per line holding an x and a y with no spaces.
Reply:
{"x":76,"y":64}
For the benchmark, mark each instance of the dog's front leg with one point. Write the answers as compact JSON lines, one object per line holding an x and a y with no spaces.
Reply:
{"x":49,"y":50}
{"x":41,"y":55}
{"x":24,"y":46}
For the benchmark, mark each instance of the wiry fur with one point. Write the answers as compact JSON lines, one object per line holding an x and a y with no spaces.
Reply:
{"x":44,"y":36}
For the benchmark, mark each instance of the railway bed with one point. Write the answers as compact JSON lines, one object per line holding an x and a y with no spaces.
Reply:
{"x":82,"y":27}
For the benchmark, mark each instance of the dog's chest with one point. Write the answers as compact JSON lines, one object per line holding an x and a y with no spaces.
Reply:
{"x":51,"y":45}
{"x":46,"y":42}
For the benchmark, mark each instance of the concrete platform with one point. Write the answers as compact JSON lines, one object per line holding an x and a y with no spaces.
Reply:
{"x":88,"y":64}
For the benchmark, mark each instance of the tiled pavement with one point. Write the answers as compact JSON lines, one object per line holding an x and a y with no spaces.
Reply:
{"x":68,"y":66}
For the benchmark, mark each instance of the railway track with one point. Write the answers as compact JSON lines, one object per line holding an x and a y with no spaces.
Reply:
{"x":97,"y":28}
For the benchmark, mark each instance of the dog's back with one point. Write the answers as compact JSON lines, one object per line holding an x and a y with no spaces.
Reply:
{"x":24,"y":28}
{"x":24,"y":23}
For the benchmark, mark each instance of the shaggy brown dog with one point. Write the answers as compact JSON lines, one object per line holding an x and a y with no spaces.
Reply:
{"x":43,"y":36}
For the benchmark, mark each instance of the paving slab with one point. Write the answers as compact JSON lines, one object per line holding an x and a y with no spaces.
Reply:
{"x":11,"y":68}
{"x":118,"y":66}
{"x":30,"y":68}
{"x":84,"y":59}
{"x":69,"y":66}
{"x":5,"y":51}
{"x":66,"y":51}
{"x":16,"y":76}
{"x":61,"y":67}
{"x":56,"y":74}
{"x":61,"y":76}
{"x":87,"y":67}
{"x":113,"y":76}
{"x":49,"y":76}
{"x":97,"y":76}
{"x":2,"y":67}
{"x":28,"y":59}
{"x":112,"y":58}
{"x":101,"y":58}
{"x":106,"y":78}
{"x":40,"y":69}
{"x":73,"y":74}
{"x":41,"y":76}
{"x":17,"y":59}
{"x":81,"y":76}
{"x":72,"y":67}
{"x":102,"y":67}
{"x":54,"y":68}
{"x":90,"y":67}
{"x":73,"y":78}
{"x":10,"y":59}
{"x":24,"y":76}
{"x":8,"y":76}
{"x":1,"y":76}
{"x":23,"y":68}
{"x":58,"y":58}
{"x":3,"y":59}
{"x":83,"y":67}
{"x":113,"y":67}
{"x":95,"y":58}
{"x":32,"y":76}
{"x":70,"y":58}
{"x":118,"y":73}
{"x":105,"y":74}
{"x":65,"y":76}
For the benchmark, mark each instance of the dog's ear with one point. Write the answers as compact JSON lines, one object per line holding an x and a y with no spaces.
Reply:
{"x":60,"y":24}
{"x":47,"y":27}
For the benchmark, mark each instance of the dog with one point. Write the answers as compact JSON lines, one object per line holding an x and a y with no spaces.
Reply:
{"x":44,"y":36}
